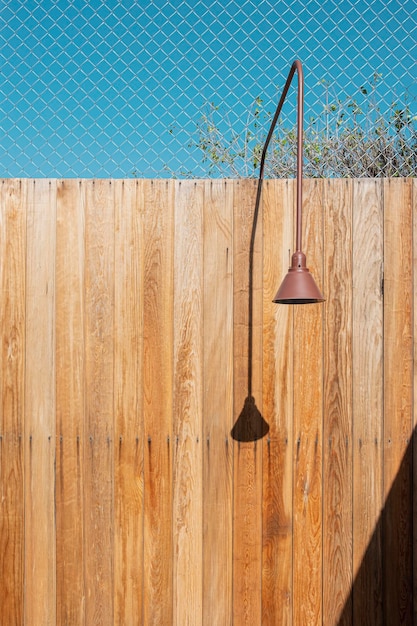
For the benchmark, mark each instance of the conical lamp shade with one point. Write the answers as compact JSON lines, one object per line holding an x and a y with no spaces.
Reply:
{"x":298,"y":286}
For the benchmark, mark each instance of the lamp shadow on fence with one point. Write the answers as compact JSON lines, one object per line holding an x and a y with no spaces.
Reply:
{"x":250,"y":424}
{"x":382,"y":591}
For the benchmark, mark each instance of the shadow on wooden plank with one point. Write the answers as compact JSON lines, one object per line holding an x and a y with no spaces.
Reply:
{"x":382,"y":592}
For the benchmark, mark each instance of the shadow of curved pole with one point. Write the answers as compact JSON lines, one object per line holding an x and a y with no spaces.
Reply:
{"x":250,"y":424}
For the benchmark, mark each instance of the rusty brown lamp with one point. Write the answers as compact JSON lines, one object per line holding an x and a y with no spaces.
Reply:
{"x":298,"y":286}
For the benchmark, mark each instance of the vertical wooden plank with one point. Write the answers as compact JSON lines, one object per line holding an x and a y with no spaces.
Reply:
{"x":70,"y":401}
{"x":188,"y":308}
{"x":158,"y":325}
{"x":398,"y":399}
{"x":308,"y":418}
{"x":218,"y":402}
{"x":128,"y":398}
{"x":277,"y":402}
{"x":99,"y":427}
{"x":337,"y":397}
{"x":414,"y":217}
{"x":12,"y":324}
{"x":247,"y":455}
{"x":40,"y":557}
{"x":367,"y":399}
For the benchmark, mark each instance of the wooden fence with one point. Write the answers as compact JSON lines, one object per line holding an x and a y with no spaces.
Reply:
{"x":124,"y":368}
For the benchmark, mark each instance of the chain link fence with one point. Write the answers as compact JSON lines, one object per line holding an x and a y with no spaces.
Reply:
{"x":163,"y":88}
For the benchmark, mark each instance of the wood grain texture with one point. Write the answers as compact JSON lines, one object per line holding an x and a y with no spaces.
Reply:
{"x":337,"y":398}
{"x":414,"y":214}
{"x":247,"y":455}
{"x":39,"y":430}
{"x":188,"y":403}
{"x":367,"y":399}
{"x":124,"y":497}
{"x":99,"y":423}
{"x":128,"y":402}
{"x":218,"y":403}
{"x":70,"y":401}
{"x":277,"y":402}
{"x":308,"y":426}
{"x":12,"y":324}
{"x":398,"y":400}
{"x":158,"y":307}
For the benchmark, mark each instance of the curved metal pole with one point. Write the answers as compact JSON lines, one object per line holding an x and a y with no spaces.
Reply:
{"x":296,"y":67}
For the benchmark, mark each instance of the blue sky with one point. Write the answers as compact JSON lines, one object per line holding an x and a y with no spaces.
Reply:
{"x":105,"y":88}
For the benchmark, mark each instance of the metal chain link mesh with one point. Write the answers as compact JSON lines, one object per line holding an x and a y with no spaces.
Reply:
{"x":120,"y":88}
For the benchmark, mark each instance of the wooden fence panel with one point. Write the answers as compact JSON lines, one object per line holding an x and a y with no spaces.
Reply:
{"x":277,"y":396}
{"x":172,"y":452}
{"x":217,"y":403}
{"x":188,"y":404}
{"x":158,"y":359}
{"x":308,"y":428}
{"x":128,"y":403}
{"x":247,"y":449}
{"x":337,"y":399}
{"x":367,"y":399}
{"x":12,"y":372}
{"x":70,"y":399}
{"x":414,"y":478}
{"x":98,"y":421}
{"x":39,"y":429}
{"x":398,"y":399}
